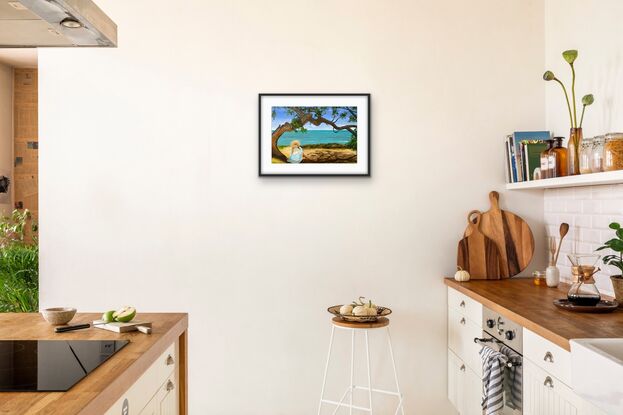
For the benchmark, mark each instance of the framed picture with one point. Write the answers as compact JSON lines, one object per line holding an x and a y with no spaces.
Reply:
{"x":314,"y":134}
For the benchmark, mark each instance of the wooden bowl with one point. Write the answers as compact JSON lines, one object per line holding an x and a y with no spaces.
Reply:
{"x":58,"y":315}
{"x":380,"y":312}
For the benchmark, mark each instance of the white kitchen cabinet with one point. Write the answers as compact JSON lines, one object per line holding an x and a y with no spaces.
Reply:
{"x":155,"y":392}
{"x":464,"y":365}
{"x":164,"y":402}
{"x":464,"y":386}
{"x":545,"y":394}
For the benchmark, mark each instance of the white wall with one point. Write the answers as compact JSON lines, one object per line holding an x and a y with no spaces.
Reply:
{"x":150,"y":196}
{"x":593,"y":29}
{"x":6,"y":132}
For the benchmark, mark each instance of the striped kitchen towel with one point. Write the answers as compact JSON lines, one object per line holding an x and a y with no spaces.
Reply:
{"x":513,"y":379}
{"x":493,"y":363}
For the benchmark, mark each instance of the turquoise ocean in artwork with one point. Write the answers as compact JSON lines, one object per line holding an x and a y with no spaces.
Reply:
{"x":315,"y":137}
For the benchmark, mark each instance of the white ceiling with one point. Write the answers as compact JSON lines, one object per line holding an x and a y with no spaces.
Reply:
{"x":19,"y":58}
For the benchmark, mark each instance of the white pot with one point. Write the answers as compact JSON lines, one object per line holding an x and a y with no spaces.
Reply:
{"x":552,"y":276}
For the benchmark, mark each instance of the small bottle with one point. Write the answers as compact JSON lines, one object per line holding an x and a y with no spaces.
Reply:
{"x":558,"y":159}
{"x":545,"y":160}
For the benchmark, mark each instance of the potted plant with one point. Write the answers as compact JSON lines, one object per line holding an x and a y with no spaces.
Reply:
{"x":615,"y":260}
{"x":575,"y":135}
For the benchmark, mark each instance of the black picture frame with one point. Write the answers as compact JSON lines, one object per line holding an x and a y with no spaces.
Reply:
{"x":367,"y":139}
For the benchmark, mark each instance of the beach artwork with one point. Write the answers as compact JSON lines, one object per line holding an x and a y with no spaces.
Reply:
{"x":314,"y":134}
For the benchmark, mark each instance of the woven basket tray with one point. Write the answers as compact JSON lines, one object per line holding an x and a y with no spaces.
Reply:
{"x":381,"y":312}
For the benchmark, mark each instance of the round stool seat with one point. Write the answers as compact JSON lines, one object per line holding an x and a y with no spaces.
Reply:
{"x":380,"y":322}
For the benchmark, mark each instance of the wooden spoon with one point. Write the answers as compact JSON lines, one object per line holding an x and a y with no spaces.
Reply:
{"x":564,"y":228}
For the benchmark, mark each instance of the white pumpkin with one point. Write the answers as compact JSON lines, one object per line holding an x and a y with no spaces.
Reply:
{"x":346,"y":310}
{"x":461,"y":275}
{"x":371,"y":311}
{"x":360,"y":311}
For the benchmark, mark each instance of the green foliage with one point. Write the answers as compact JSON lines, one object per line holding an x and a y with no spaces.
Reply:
{"x":19,"y":278}
{"x":17,"y":227}
{"x":570,"y":56}
{"x":616,"y":245}
{"x":19,"y":263}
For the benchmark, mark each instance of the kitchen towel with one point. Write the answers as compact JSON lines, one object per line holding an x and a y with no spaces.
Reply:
{"x":513,"y":378}
{"x":493,"y":363}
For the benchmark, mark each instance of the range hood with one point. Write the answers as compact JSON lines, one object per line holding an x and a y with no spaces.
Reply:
{"x":53,"y":23}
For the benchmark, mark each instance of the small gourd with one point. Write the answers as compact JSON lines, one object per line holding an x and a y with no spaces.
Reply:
{"x":346,"y":310}
{"x":360,"y":311}
{"x":461,"y":275}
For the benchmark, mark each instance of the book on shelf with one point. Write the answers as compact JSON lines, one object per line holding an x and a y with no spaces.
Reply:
{"x":523,"y":150}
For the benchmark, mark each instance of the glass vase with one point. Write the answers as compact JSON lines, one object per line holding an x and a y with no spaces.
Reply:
{"x":573,"y":151}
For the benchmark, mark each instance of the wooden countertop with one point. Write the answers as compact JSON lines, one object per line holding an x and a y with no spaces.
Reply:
{"x":531,"y":306}
{"x":104,"y":386}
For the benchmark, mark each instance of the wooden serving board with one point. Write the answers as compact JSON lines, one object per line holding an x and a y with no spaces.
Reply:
{"x":511,"y":234}
{"x":478,"y":254}
{"x":133,"y":325}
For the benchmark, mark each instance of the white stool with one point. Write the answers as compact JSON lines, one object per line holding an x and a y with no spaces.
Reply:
{"x":382,"y":322}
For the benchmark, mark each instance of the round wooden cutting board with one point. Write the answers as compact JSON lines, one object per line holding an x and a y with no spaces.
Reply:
{"x":511,"y":234}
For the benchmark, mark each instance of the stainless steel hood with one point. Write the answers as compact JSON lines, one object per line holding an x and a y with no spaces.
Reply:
{"x":50,"y":23}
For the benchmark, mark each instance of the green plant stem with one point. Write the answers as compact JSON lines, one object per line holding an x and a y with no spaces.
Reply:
{"x":575,"y":113}
{"x":582,"y":117}
{"x":567,"y":99}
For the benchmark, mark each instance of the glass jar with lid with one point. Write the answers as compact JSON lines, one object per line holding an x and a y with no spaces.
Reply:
{"x":597,"y":156}
{"x":613,"y":152}
{"x":544,"y":156}
{"x":586,"y":151}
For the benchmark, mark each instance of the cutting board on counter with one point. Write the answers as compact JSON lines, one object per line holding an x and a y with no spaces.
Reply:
{"x":477,"y":253}
{"x":134,"y":325}
{"x":510,"y":233}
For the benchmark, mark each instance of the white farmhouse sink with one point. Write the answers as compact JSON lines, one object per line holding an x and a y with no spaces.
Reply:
{"x":597,"y":372}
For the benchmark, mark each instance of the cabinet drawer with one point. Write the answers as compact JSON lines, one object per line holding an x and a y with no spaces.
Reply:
{"x":466,"y":306}
{"x":548,"y":356}
{"x":544,"y":394}
{"x":461,"y":334}
{"x":141,"y":392}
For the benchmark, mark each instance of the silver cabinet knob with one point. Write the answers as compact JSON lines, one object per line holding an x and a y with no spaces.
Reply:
{"x":462,"y":304}
{"x":548,"y":357}
{"x":170,"y":386}
{"x":170,"y":360}
{"x":548,"y":382}
{"x":462,"y":320}
{"x":462,"y":368}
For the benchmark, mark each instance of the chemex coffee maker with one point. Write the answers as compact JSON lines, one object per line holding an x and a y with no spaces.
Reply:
{"x":583,"y":291}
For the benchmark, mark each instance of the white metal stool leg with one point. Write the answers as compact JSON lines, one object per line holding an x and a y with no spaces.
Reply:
{"x":342,"y":403}
{"x":369,"y":377}
{"x":391,"y":353}
{"x":352,"y":369}
{"x":326,"y":369}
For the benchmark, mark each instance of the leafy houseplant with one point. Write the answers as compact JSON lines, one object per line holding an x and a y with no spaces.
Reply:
{"x":575,"y":136}
{"x":19,"y":263}
{"x":615,"y":260}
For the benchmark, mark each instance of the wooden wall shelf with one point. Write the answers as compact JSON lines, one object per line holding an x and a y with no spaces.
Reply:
{"x":593,"y":179}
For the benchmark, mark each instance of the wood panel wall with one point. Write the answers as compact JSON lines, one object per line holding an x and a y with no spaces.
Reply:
{"x":26,"y":144}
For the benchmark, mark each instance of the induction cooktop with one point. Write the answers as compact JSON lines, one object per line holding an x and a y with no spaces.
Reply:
{"x":51,"y":365}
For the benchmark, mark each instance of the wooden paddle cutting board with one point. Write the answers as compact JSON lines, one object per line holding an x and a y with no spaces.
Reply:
{"x":511,"y":234}
{"x":478,"y":254}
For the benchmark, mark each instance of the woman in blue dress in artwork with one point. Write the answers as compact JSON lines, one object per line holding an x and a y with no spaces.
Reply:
{"x":296,"y":152}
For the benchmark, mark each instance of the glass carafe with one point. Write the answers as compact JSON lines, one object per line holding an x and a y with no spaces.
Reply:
{"x":583,"y":291}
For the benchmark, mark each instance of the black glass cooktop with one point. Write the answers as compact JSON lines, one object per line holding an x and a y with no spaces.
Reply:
{"x":51,"y":365}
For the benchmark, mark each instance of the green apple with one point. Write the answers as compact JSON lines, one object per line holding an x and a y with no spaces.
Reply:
{"x":124,"y":314}
{"x":108,"y":316}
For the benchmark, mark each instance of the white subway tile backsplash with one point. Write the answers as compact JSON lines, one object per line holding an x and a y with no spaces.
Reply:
{"x":591,"y":206}
{"x":588,"y":211}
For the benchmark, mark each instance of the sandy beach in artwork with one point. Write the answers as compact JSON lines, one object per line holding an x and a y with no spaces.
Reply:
{"x":331,"y":153}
